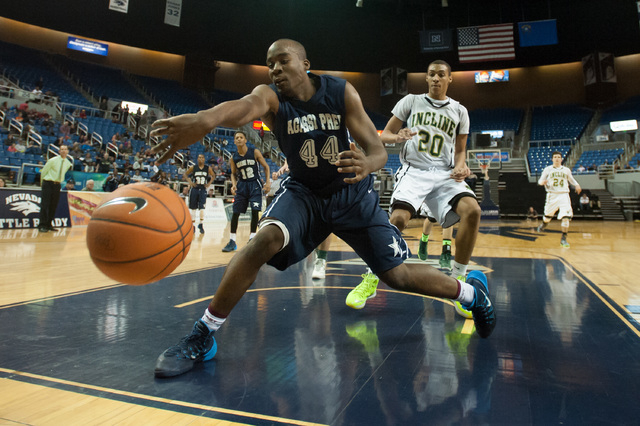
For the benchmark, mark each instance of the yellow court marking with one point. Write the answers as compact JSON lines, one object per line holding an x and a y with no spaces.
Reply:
{"x":162,"y":400}
{"x":605,"y":301}
{"x":202,"y":299}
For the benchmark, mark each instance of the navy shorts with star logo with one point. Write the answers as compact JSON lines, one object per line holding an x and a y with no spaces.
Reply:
{"x":248,"y":194}
{"x":353,"y":214}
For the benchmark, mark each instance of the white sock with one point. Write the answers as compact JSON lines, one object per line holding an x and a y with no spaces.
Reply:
{"x":213,"y":323}
{"x":232,"y":237}
{"x":467,"y":293}
{"x":458,"y":269}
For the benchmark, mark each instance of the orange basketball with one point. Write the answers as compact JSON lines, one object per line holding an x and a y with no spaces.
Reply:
{"x":140,"y":234}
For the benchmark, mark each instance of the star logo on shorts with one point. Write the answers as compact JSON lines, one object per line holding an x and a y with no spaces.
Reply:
{"x":397,"y":250}
{"x":256,"y":205}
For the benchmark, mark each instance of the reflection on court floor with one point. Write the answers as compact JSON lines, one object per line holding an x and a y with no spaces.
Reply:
{"x":292,"y":352}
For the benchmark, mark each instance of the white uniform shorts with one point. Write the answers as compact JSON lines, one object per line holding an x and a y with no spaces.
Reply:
{"x":433,"y":187}
{"x":558,"y":202}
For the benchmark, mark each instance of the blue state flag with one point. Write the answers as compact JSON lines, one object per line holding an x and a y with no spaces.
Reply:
{"x":538,"y":33}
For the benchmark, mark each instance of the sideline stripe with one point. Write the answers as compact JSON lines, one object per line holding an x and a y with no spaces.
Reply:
{"x":155,"y":399}
{"x":614,"y":307}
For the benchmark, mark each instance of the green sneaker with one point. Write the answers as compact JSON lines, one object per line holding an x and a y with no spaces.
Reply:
{"x":357,"y":297}
{"x":458,"y":306}
{"x":445,"y":260}
{"x":422,"y":250}
{"x":564,"y":243}
{"x":366,"y":333}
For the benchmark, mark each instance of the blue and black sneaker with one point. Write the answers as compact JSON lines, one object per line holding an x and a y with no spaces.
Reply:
{"x":484,"y":317}
{"x":231,"y":246}
{"x":198,"y":346}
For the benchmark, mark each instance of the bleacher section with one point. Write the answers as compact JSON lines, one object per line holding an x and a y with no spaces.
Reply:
{"x":627,"y":110}
{"x":178,"y":99}
{"x":594,"y":158}
{"x":28,"y":66}
{"x":104,"y":81}
{"x":495,"y":119}
{"x":540,"y":157}
{"x":559,"y":122}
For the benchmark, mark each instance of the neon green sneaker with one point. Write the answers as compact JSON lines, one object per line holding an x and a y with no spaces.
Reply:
{"x":357,"y":297}
{"x":445,"y":260}
{"x":458,"y":306}
{"x":422,"y":250}
{"x":366,"y":333}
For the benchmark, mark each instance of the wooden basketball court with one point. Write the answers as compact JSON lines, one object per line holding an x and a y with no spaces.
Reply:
{"x":78,"y":348}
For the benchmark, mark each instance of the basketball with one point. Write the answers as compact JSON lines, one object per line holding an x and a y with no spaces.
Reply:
{"x":140,"y":234}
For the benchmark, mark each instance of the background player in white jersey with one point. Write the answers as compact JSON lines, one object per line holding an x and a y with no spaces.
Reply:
{"x":556,"y":179}
{"x":433,"y":170}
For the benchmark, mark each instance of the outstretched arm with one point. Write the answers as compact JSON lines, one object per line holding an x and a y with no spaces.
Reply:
{"x":184,"y":130}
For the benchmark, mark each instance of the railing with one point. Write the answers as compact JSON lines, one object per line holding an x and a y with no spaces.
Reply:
{"x":15,"y":124}
{"x":35,"y":137}
{"x":113,"y":148}
{"x":83,"y":130}
{"x":96,"y":139}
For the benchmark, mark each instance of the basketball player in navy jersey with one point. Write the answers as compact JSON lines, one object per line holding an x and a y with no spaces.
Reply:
{"x":246,"y":186}
{"x":329,"y":190}
{"x":198,"y":177}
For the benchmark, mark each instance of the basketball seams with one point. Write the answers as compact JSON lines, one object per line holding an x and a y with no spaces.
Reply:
{"x":140,"y":259}
{"x":117,"y":228}
{"x":135,"y":225}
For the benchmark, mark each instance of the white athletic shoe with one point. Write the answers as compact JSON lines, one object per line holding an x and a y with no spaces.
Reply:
{"x":319,"y":269}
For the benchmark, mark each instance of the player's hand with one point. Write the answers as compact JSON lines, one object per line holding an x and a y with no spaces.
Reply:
{"x":578,"y":189}
{"x":353,"y":161}
{"x":233,"y":190}
{"x":404,"y":134}
{"x":266,"y":187}
{"x":181,"y":131}
{"x":460,"y":173}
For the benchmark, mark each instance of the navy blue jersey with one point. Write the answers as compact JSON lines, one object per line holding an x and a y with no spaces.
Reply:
{"x":311,"y":134}
{"x":247,"y":165}
{"x":200,"y":176}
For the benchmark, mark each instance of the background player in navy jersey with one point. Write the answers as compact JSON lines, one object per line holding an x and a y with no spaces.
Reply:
{"x":246,"y":185}
{"x":198,"y":176}
{"x":329,"y":189}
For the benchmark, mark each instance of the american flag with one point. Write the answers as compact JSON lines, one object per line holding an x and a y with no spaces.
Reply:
{"x":486,"y":43}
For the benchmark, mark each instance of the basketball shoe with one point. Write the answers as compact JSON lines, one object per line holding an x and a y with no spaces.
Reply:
{"x":201,"y":228}
{"x":231,"y":246}
{"x":198,"y":346}
{"x":357,"y":297}
{"x":445,"y":260}
{"x":319,"y":269}
{"x":564,"y":243}
{"x":422,"y":250}
{"x":484,"y":317}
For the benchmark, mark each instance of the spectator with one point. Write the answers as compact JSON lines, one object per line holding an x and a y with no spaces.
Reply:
{"x":584,"y":202}
{"x":71,"y":185}
{"x":111,"y":183}
{"x":532,"y":214}
{"x":89,"y":186}
{"x":105,"y":164}
{"x":65,"y":130}
{"x":137,"y":177}
{"x":52,"y":174}
{"x":581,"y":169}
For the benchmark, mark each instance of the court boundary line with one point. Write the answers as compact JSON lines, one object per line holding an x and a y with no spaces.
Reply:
{"x":77,"y":387}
